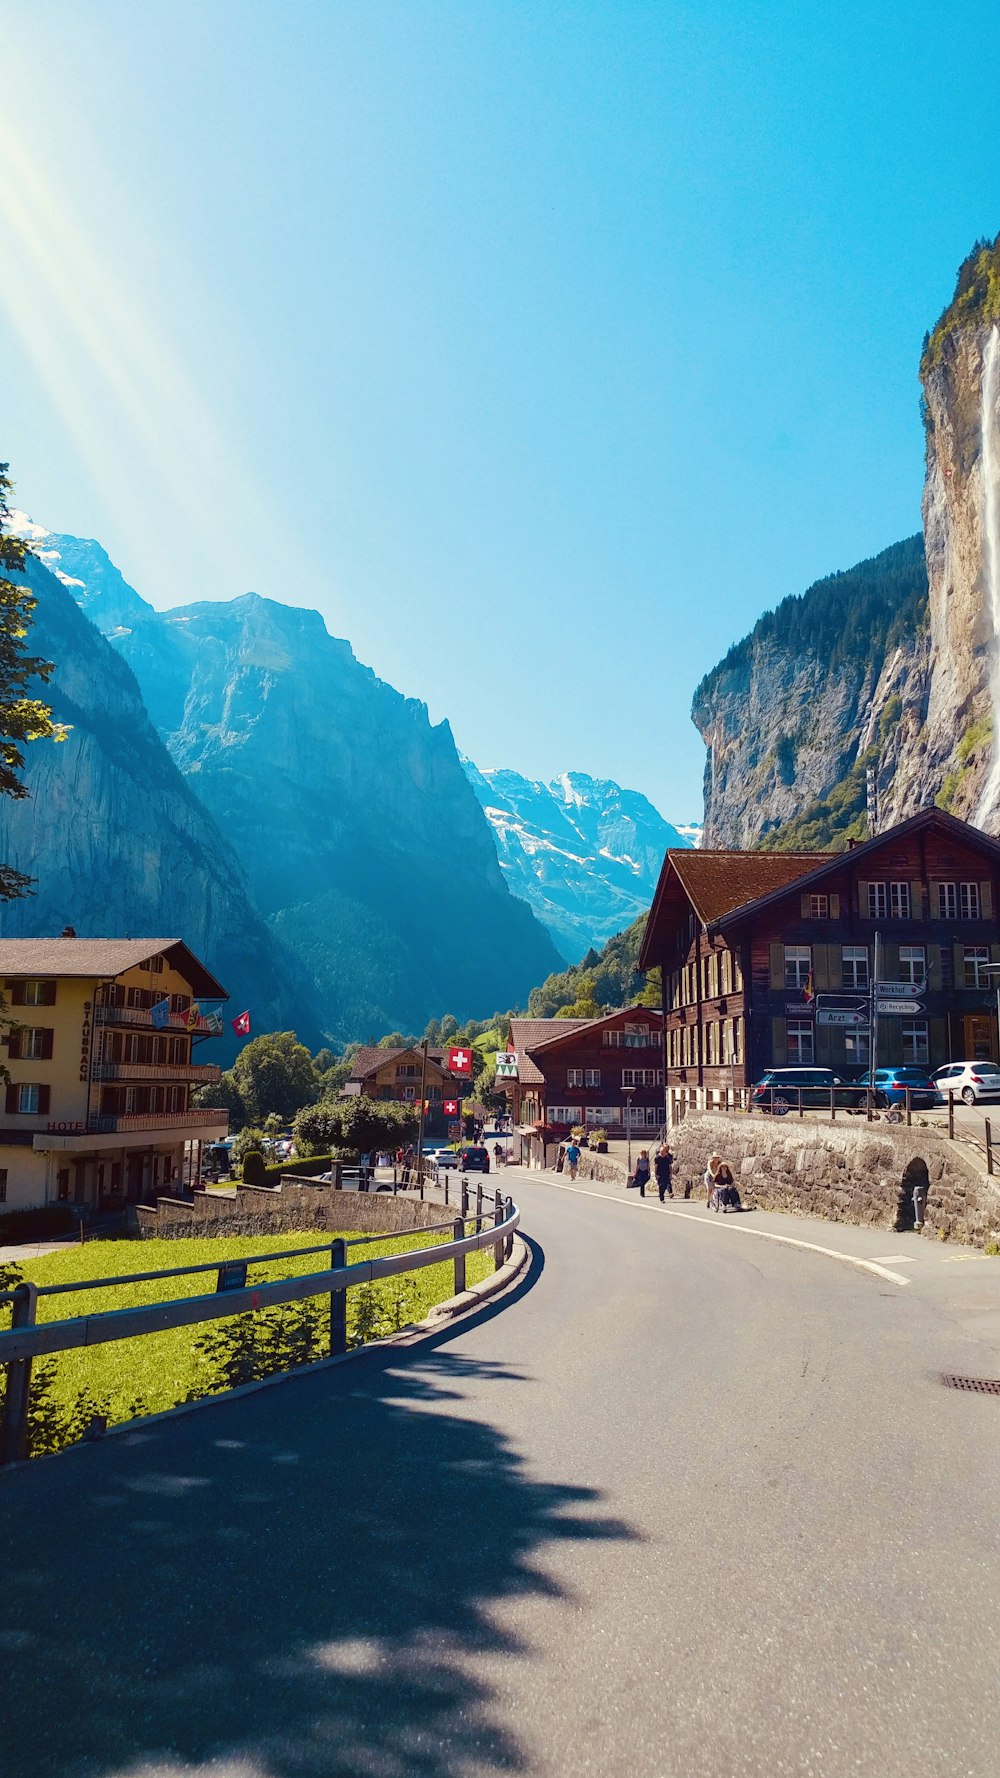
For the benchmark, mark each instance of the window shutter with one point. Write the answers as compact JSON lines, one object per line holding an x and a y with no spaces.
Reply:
{"x":863,"y":900}
{"x":937,"y":1032}
{"x":890,"y":1042}
{"x":44,"y":1095}
{"x":994,"y":958}
{"x":934,"y":973}
{"x":986,"y":900}
{"x":820,"y":969}
{"x":824,"y":1045}
{"x":805,"y":906}
{"x":889,"y":962}
{"x":959,"y":956}
{"x":11,"y":1098}
{"x":777,"y":966}
{"x":16,"y":993}
{"x":778,"y":1052}
{"x":916,"y":901}
{"x":835,"y":907}
{"x":47,"y":1036}
{"x":834,"y":966}
{"x":14,"y":1045}
{"x":49,"y":994}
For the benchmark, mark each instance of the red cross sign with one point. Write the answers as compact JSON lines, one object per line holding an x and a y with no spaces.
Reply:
{"x":459,"y":1061}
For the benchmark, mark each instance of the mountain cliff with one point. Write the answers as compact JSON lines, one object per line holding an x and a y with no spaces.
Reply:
{"x":830,"y":682}
{"x":114,"y":836}
{"x":583,"y":852}
{"x":360,"y":837}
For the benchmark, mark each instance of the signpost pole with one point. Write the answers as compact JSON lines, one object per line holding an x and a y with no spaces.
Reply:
{"x":873,"y":1024}
{"x":423,"y":1097}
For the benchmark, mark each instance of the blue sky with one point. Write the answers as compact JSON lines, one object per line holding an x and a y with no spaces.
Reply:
{"x":541,"y":346}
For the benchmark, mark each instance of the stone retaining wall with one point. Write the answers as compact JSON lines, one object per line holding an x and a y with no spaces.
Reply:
{"x":592,"y":1166}
{"x":845,"y":1171}
{"x":275,"y":1210}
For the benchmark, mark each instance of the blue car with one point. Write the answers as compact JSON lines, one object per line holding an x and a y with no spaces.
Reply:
{"x":891,"y":1086}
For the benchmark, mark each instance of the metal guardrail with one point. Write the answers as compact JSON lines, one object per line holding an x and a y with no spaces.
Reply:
{"x":28,"y":1339}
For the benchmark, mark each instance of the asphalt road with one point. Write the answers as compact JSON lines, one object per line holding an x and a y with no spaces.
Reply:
{"x":688,"y":1504}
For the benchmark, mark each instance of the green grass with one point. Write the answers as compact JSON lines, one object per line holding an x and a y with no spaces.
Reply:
{"x":159,"y":1370}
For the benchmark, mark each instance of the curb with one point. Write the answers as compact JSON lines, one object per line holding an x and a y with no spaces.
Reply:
{"x":450,"y":1310}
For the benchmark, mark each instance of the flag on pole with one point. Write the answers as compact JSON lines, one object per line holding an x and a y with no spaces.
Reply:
{"x":160,"y":1014}
{"x":808,"y":994}
{"x":460,"y":1061}
{"x":213,"y":1023}
{"x":506,"y":1068}
{"x":193,"y":1016}
{"x":241,"y":1025}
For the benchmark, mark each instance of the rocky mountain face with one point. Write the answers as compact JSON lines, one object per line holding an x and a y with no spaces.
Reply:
{"x":829,"y":683}
{"x":583,"y":852}
{"x":894,"y":667}
{"x":117,"y":840}
{"x":361,"y":840}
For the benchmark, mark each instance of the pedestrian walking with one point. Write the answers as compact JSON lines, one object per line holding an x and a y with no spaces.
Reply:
{"x":572,"y":1158}
{"x":663,"y":1166}
{"x":640,"y":1177}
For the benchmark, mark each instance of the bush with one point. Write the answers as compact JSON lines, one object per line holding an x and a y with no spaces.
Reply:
{"x":254,"y":1168}
{"x":45,"y":1223}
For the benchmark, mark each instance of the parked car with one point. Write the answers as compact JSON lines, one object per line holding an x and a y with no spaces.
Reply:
{"x":475,"y":1160}
{"x":446,"y":1157}
{"x":891,"y":1086}
{"x":969,"y":1081}
{"x":779,"y":1089}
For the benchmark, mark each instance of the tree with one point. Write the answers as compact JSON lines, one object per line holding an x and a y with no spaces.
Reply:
{"x":274,"y":1072}
{"x":21,"y":718}
{"x":226,"y":1095}
{"x":358,"y":1124}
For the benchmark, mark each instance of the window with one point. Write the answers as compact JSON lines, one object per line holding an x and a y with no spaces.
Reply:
{"x":29,"y":1100}
{"x":855,"y":966}
{"x":858,"y":1047}
{"x":34,"y":994}
{"x":409,"y":1093}
{"x":601,"y":1115}
{"x":641,"y":1077}
{"x":798,"y":965}
{"x":592,"y":1077}
{"x":968,"y":900}
{"x":912,"y":964}
{"x":975,"y":957}
{"x":819,"y":907}
{"x":407,"y":1071}
{"x":947,"y":901}
{"x":574,"y":1077}
{"x":899,"y":900}
{"x":878,"y":901}
{"x":799,"y":1035}
{"x":916,"y":1047}
{"x":563,"y":1114}
{"x":737,"y":1055}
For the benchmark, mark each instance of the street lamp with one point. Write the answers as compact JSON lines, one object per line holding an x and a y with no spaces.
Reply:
{"x":628,"y":1127}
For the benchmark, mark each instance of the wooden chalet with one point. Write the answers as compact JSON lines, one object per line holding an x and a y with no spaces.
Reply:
{"x":752,"y":945}
{"x":594,"y":1072}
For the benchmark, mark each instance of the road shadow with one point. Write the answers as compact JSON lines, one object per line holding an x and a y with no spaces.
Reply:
{"x":295,"y":1584}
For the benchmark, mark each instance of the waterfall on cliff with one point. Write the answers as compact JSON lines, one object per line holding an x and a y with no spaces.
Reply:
{"x":989,"y":470}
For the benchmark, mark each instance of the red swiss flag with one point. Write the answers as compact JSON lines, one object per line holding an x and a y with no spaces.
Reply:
{"x":451,"y":1108}
{"x":460,"y":1061}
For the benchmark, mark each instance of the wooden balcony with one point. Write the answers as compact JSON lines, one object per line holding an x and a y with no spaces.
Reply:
{"x":198,"y":1074}
{"x":112,"y":1122}
{"x":143,"y":1016}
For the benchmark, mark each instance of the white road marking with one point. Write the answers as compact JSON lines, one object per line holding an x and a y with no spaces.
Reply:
{"x":733,"y":1228}
{"x":896,"y":1259}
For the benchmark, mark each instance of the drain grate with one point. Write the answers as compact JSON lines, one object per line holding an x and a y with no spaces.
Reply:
{"x":981,"y":1385}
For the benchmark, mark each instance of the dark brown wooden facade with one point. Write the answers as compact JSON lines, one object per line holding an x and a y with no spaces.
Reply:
{"x":742,"y":971}
{"x":593,"y":1072}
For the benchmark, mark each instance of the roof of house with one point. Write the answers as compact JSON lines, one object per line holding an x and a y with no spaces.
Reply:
{"x":527,"y":1034}
{"x":722,"y":886}
{"x":369,"y":1059}
{"x":566,"y":1027}
{"x":103,"y":959}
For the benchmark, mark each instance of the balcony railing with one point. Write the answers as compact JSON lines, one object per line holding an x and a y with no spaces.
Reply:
{"x":112,"y":1122}
{"x":199,"y":1074}
{"x":143,"y":1015}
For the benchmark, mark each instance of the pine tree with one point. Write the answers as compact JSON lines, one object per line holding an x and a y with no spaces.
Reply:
{"x":21,"y":718}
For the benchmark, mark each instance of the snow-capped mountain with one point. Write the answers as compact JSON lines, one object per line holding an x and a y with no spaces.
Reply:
{"x":582,"y":851}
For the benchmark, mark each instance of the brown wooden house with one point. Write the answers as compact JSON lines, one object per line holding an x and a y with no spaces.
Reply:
{"x":594,"y":1072}
{"x":752,"y":945}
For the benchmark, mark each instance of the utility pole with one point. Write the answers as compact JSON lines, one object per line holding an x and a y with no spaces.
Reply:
{"x":873,"y":1023}
{"x":423,"y":1102}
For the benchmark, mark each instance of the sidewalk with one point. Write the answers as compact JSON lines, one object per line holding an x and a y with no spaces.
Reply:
{"x":963,"y":1282}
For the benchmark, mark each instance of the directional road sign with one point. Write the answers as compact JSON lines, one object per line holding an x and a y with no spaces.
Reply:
{"x":899,"y":990}
{"x":903,"y":1006}
{"x":853,"y":1017}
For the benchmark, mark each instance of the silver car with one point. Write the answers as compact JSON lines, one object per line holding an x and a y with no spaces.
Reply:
{"x":969,"y":1081}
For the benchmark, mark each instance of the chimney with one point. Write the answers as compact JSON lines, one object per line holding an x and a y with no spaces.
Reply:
{"x":68,"y":932}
